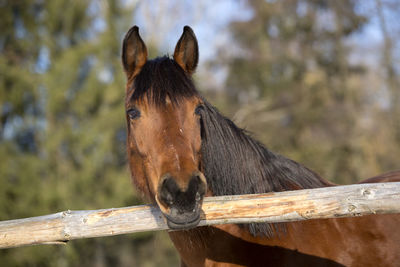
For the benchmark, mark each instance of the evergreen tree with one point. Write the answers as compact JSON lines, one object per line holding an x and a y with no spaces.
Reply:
{"x":62,"y":135}
{"x":292,"y":79}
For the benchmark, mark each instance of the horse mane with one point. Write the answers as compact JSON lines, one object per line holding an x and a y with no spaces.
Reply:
{"x":234,"y":164}
{"x":160,"y":78}
{"x":232,"y":161}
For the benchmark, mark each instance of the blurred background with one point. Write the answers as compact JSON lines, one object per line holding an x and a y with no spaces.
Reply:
{"x":317,"y":81}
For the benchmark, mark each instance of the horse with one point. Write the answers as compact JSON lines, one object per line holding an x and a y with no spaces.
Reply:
{"x":181,"y":149}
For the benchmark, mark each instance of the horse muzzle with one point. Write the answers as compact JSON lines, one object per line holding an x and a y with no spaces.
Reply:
{"x":178,"y":220}
{"x":181,"y":207}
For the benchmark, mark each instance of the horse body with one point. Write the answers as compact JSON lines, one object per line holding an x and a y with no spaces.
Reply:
{"x":362,"y":241}
{"x":181,"y":148}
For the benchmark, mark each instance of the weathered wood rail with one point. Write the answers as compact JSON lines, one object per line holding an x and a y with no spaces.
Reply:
{"x":330,"y":202}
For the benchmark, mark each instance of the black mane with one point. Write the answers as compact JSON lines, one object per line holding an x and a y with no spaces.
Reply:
{"x":160,"y":78}
{"x":233,"y":162}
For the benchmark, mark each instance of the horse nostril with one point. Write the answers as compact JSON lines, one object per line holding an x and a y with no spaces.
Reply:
{"x":198,"y":197}
{"x":169,"y":199}
{"x":197,"y":187}
{"x":168,"y":190}
{"x":201,"y":185}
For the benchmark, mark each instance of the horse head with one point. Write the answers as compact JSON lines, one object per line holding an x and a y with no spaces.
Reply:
{"x":163,"y":114}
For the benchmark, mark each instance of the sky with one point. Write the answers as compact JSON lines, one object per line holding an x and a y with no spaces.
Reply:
{"x":209,"y":20}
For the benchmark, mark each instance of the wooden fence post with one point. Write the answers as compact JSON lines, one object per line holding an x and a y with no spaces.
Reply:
{"x":320,"y":203}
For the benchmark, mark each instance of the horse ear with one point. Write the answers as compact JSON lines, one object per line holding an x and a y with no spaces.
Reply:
{"x":187,"y":51}
{"x":134,"y":52}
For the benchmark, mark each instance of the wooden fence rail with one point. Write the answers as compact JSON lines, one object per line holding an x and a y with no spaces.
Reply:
{"x":330,"y":202}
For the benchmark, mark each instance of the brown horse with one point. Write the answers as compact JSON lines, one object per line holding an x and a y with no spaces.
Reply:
{"x":181,"y":148}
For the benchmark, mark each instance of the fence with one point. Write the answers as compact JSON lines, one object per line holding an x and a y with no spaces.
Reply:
{"x":320,"y":203}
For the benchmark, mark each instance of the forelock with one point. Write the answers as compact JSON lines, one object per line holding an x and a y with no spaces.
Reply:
{"x":161,"y":78}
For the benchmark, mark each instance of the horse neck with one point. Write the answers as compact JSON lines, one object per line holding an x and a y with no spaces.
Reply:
{"x":234,"y":163}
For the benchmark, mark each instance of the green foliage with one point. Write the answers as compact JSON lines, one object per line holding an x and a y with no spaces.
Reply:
{"x":62,"y":135}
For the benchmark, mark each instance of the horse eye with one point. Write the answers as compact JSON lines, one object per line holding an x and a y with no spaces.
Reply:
{"x":199,"y":109}
{"x":133,"y":113}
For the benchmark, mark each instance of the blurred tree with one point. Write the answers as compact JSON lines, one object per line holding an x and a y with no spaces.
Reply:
{"x":391,"y":73}
{"x":292,"y":78}
{"x":62,"y":135}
